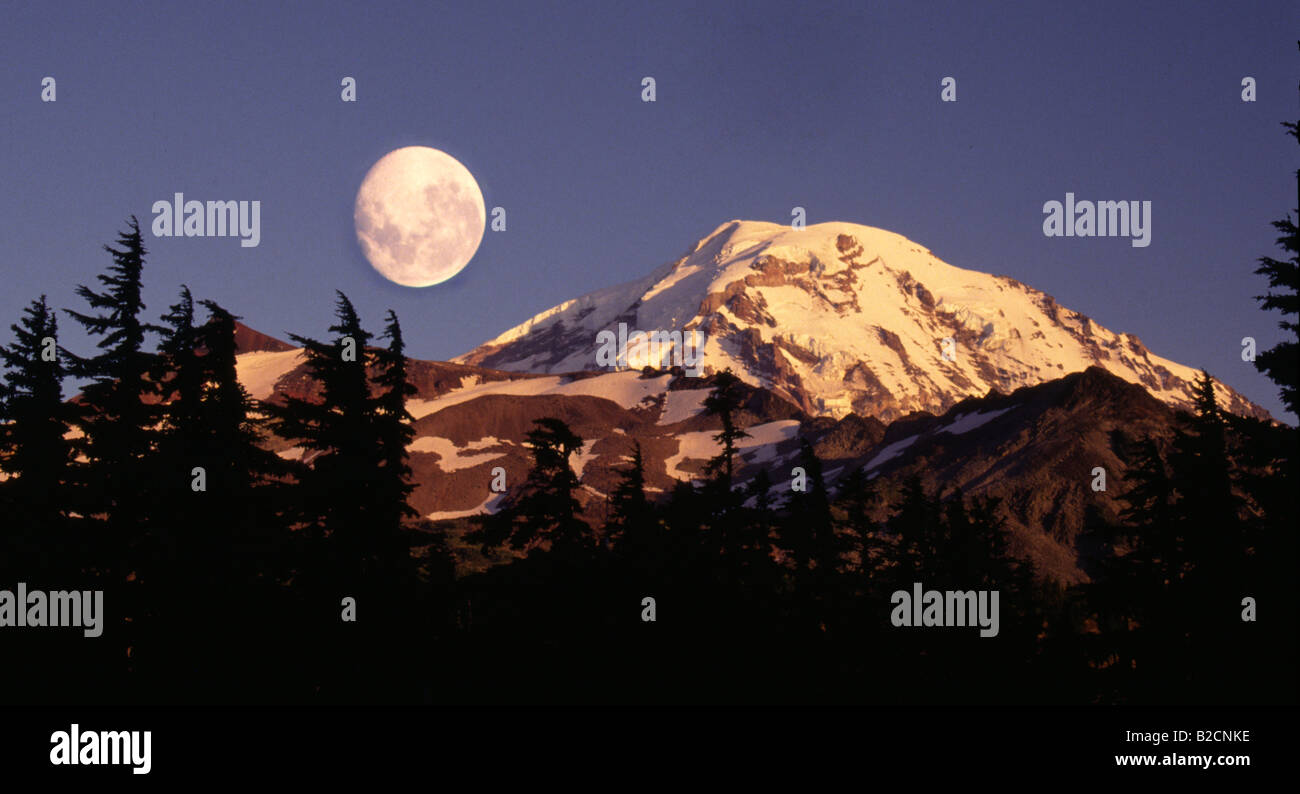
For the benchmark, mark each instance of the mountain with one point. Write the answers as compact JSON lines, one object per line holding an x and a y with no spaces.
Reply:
{"x":1034,"y":448}
{"x":248,"y":340}
{"x":841,"y":318}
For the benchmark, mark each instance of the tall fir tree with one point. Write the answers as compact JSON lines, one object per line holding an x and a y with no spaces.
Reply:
{"x":337,"y":433}
{"x":34,"y":453}
{"x":180,"y":373}
{"x":118,"y":416}
{"x":393,"y":433}
{"x":1281,"y":363}
{"x":548,"y":510}
{"x":183,"y":447}
{"x":628,"y":502}
{"x":212,"y":515}
{"x":244,"y":478}
{"x":1207,"y":507}
{"x":724,"y":401}
{"x":119,"y":410}
{"x":725,"y":530}
{"x":352,"y":486}
{"x":634,"y":528}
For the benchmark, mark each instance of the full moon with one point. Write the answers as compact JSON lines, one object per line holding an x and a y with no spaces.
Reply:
{"x":419,"y":216}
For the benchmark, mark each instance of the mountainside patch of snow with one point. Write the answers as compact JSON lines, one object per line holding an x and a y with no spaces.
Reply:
{"x":259,"y":372}
{"x":964,"y":423}
{"x":450,"y":457}
{"x":489,"y":505}
{"x":890,"y":452}
{"x":682,"y":405}
{"x":700,"y":445}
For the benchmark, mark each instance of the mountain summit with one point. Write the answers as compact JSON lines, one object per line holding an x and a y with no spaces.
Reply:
{"x":840,"y":318}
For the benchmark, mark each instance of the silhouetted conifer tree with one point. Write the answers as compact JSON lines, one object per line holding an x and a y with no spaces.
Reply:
{"x":214,"y":513}
{"x":120,"y":412}
{"x":548,"y":510}
{"x":1281,"y":363}
{"x":632,"y":526}
{"x":394,"y":432}
{"x":179,"y":513}
{"x":118,"y":416}
{"x":724,"y":401}
{"x":1207,"y":508}
{"x":244,"y":478}
{"x":337,"y":433}
{"x":34,"y":455}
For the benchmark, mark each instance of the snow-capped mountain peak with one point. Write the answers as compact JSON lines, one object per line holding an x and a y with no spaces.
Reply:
{"x":840,"y":317}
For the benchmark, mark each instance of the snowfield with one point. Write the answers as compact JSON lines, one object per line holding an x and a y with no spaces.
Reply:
{"x":700,"y":445}
{"x":964,"y":423}
{"x":453,"y":458}
{"x":259,"y":372}
{"x":627,"y":388}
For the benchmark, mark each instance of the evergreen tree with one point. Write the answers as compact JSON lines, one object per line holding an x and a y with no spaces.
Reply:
{"x":629,"y":499}
{"x":724,"y":536}
{"x":549,"y":511}
{"x":118,"y":414}
{"x":394,"y":432}
{"x":179,"y":512}
{"x":629,"y":506}
{"x":1210,"y":512}
{"x":1281,"y":363}
{"x":635,"y":529}
{"x":1187,"y":551}
{"x":1135,"y":599}
{"x":34,"y":454}
{"x":181,"y":375}
{"x":243,"y":476}
{"x":1271,"y":479}
{"x":1207,"y":508}
{"x":337,"y":432}
{"x":212,"y":513}
{"x":1156,"y":558}
{"x":352,"y":487}
{"x":724,"y":401}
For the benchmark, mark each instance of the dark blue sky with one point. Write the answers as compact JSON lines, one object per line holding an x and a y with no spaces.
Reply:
{"x":761,"y":107}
